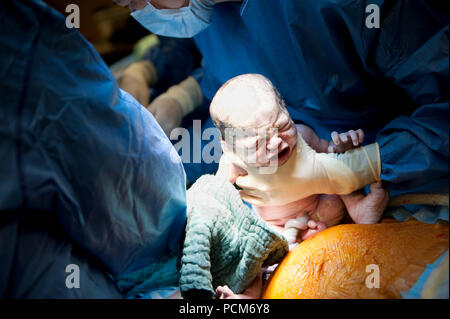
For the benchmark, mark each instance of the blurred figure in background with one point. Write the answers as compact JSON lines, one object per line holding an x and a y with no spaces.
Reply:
{"x":89,"y":181}
{"x":166,"y":80}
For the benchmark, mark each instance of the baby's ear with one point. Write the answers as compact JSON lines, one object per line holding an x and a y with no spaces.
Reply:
{"x":235,"y":172}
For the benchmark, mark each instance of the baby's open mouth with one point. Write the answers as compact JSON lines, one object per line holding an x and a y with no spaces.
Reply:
{"x":284,"y":153}
{"x":282,"y":156}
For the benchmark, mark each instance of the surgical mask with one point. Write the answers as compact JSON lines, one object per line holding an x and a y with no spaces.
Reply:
{"x":184,"y":22}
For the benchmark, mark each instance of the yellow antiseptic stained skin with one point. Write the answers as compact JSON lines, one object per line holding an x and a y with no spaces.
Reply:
{"x":333,"y":263}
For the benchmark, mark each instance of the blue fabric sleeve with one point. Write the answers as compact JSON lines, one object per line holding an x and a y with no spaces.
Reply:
{"x":174,"y":59}
{"x":414,"y":55}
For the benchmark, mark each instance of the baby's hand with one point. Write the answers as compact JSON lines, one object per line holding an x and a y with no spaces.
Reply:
{"x":252,"y":292}
{"x":224,"y":292}
{"x":345,"y":141}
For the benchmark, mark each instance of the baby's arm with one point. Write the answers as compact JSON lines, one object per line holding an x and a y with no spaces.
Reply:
{"x":312,"y":139}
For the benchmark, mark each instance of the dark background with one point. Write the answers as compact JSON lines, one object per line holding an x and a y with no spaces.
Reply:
{"x":109,"y":27}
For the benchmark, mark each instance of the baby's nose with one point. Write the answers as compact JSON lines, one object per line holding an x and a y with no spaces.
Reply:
{"x":274,"y":143}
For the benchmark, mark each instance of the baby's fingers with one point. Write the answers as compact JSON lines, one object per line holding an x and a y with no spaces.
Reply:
{"x":335,"y":138}
{"x":343,"y":137}
{"x":354,"y":137}
{"x":360,"y":134}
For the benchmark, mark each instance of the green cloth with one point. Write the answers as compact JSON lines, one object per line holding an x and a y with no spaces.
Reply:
{"x":225,"y":244}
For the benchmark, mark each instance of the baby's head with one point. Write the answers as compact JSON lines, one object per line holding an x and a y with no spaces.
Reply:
{"x":253,"y":120}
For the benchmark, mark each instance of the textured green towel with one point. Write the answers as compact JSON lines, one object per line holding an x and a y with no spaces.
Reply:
{"x":225,"y":243}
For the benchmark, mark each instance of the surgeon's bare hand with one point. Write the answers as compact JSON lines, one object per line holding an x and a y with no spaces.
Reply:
{"x":345,"y":141}
{"x":167,"y":112}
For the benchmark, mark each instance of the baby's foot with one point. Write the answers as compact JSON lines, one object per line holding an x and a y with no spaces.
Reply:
{"x":313,"y":228}
{"x":367,"y":209}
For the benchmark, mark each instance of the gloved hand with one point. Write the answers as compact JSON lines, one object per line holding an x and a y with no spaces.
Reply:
{"x":308,"y":172}
{"x":170,"y":107}
{"x":136,"y":79}
{"x":167,"y":112}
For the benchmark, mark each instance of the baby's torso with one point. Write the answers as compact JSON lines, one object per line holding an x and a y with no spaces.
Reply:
{"x":328,"y":209}
{"x":279,"y":215}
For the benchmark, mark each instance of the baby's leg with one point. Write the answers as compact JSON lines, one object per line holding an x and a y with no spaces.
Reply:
{"x":330,"y":210}
{"x":367,"y":209}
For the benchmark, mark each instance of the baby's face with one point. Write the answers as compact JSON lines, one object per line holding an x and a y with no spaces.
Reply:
{"x":259,"y":129}
{"x":270,"y":141}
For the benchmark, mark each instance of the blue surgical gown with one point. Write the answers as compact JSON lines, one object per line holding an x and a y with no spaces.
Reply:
{"x":335,"y":73}
{"x":174,"y":59}
{"x":87,"y":175}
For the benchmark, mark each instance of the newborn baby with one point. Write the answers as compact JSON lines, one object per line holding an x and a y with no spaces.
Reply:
{"x":251,"y":104}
